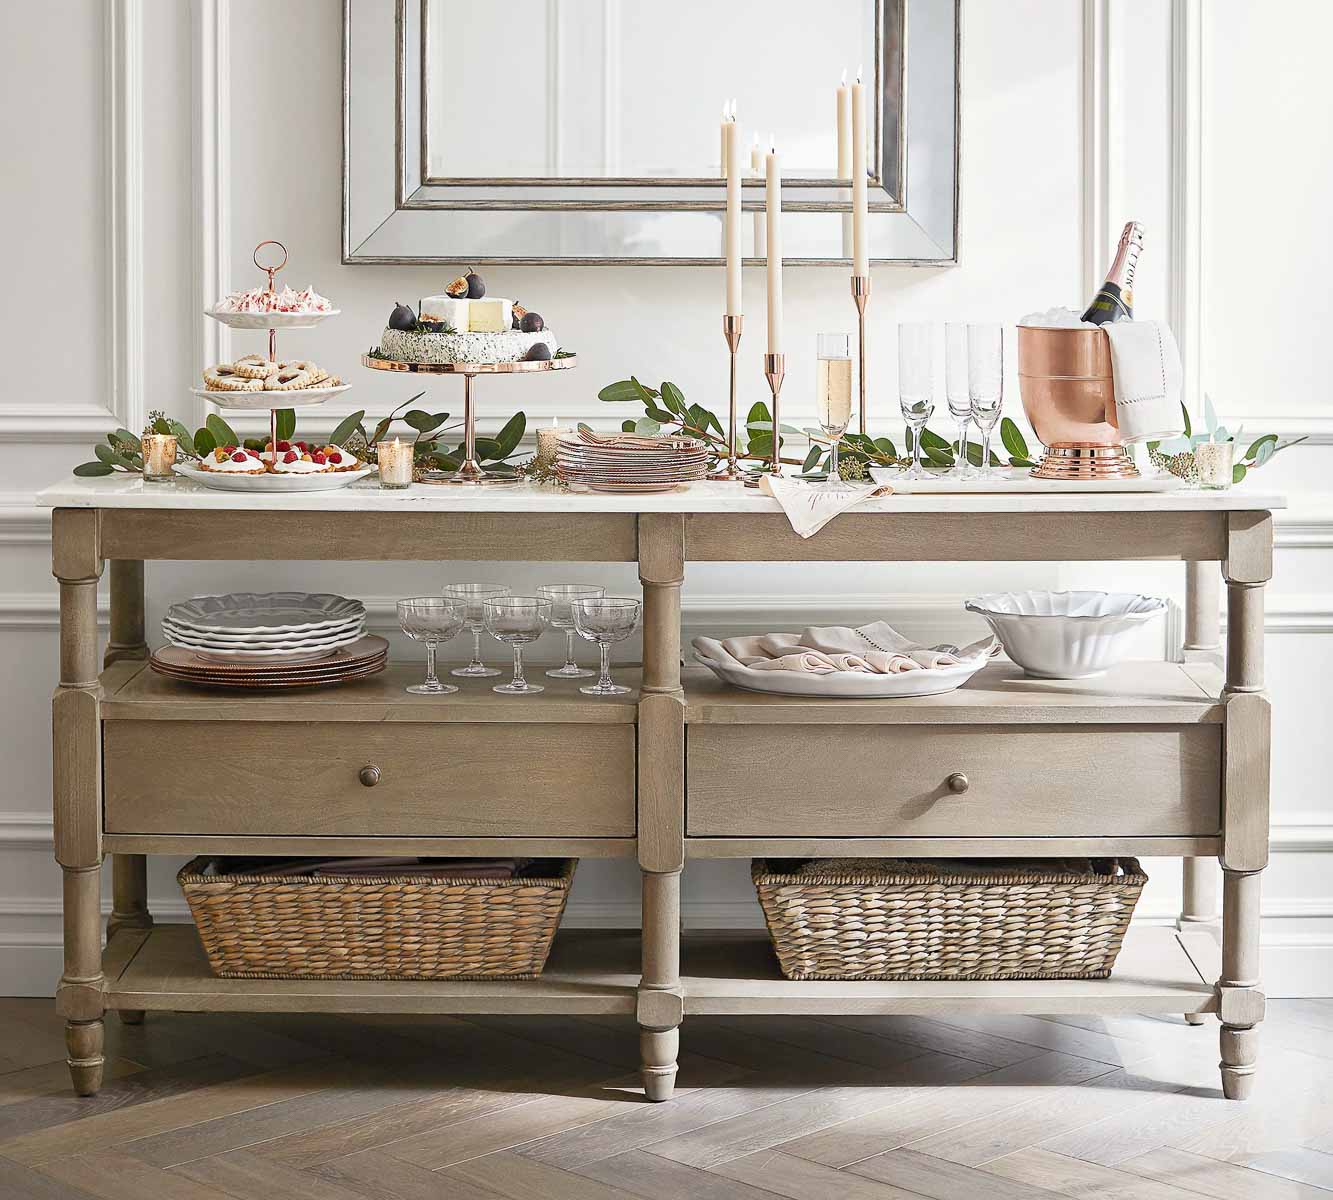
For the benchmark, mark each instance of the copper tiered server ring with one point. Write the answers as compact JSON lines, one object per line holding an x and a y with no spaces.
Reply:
{"x":470,"y":470}
{"x":1069,"y":399}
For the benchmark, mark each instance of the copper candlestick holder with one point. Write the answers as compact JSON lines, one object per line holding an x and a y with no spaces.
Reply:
{"x":731,"y":331}
{"x":860,"y":297}
{"x":775,"y":367}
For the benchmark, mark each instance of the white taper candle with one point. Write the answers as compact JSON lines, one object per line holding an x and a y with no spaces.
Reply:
{"x":860,"y":230}
{"x":773,"y":209}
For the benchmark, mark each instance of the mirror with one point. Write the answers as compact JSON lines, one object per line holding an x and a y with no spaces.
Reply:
{"x":550,"y":131}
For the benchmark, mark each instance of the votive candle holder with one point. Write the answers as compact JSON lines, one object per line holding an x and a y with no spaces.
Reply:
{"x":548,"y":441}
{"x":395,"y":463}
{"x":159,"y":457}
{"x":1214,"y":461}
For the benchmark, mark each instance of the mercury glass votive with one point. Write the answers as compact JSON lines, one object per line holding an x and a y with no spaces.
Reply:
{"x":159,"y":457}
{"x":395,"y":463}
{"x":1214,"y":461}
{"x":547,"y":441}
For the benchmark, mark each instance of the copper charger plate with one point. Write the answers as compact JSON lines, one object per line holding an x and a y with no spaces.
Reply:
{"x":364,"y":656}
{"x":277,"y":681}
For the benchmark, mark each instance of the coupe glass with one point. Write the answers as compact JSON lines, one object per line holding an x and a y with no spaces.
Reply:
{"x":517,"y":621}
{"x":431,"y":619}
{"x":985,"y":384}
{"x":562,"y":596}
{"x":475,"y":595}
{"x":916,"y":385}
{"x":605,"y":620}
{"x":956,"y":392}
{"x":833,"y":393}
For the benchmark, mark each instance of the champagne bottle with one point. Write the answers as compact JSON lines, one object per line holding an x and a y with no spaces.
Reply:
{"x":1114,"y":300}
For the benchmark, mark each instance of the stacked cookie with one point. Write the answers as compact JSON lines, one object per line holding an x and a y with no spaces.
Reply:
{"x":255,"y":373}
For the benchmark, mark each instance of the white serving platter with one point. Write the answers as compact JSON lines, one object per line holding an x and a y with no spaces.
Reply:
{"x":846,"y":685}
{"x":327,"y":481}
{"x":271,"y":320}
{"x":249,"y":401}
{"x":1018,"y":479}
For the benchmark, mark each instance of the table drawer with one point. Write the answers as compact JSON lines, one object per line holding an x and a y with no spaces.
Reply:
{"x":893,"y":781}
{"x":435,"y":780}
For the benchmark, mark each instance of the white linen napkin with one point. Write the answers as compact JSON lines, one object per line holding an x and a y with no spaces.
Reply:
{"x":874,"y":649}
{"x":808,"y":507}
{"x":1145,"y":363}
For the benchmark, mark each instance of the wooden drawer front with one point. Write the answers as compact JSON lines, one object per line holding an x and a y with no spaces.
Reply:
{"x":875,"y":781}
{"x":436,"y":780}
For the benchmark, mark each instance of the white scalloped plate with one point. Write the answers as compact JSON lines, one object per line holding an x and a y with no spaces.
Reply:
{"x":264,"y":612}
{"x":273,"y":320}
{"x":249,"y":401}
{"x":328,"y":481}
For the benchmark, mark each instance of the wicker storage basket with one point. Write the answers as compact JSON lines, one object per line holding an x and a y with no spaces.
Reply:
{"x":947,"y":919}
{"x":260,"y":926}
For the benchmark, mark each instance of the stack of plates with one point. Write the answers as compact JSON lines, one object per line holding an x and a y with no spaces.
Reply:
{"x":628,"y":463}
{"x":265,"y":627}
{"x":363,"y":657}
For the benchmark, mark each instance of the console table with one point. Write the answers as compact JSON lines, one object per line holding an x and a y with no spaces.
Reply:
{"x":1152,"y":759}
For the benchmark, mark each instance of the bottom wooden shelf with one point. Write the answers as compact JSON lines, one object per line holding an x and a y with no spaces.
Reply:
{"x":597,"y":971}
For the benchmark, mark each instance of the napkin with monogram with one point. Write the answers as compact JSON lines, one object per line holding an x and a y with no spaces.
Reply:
{"x":809,"y":507}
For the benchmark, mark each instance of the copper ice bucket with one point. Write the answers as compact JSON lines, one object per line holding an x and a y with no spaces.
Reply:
{"x":1064,"y":377}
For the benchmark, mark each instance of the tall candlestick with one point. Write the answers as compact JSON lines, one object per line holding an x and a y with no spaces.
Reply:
{"x":730,"y":133}
{"x":844,"y":129}
{"x":756,"y":172}
{"x":860,"y":232}
{"x":773,"y":210}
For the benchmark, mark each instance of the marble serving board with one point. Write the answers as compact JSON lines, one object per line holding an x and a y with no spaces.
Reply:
{"x":1019,"y":479}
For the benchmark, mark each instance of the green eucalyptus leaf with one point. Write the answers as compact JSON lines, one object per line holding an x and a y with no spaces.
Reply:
{"x":183,"y":438}
{"x":1209,"y":413}
{"x":1258,"y":443}
{"x":91,"y":470}
{"x":811,"y":459}
{"x":1185,"y":417}
{"x":123,"y":437}
{"x":1264,"y":453}
{"x":161,"y":425}
{"x":938,"y":457}
{"x":110,"y":457}
{"x":285,"y":423}
{"x":660,"y":414}
{"x":488,"y":448}
{"x":646,"y":394}
{"x":884,"y":446}
{"x":674,"y":399}
{"x":204,"y":442}
{"x":223,"y":434}
{"x":1220,"y":434}
{"x":380,"y":430}
{"x":627,"y":426}
{"x":1238,"y":472}
{"x":758,"y":412}
{"x":647,"y":427}
{"x":1012,"y":438}
{"x":511,"y":434}
{"x":930,"y":440}
{"x":346,"y":427}
{"x":422,"y":421}
{"x":622,"y":391}
{"x":1021,"y":462}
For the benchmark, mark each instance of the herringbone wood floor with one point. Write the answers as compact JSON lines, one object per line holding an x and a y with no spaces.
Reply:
{"x":335,"y":1108}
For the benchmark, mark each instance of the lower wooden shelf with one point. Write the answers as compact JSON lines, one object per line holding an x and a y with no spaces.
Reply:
{"x":597,"y":972}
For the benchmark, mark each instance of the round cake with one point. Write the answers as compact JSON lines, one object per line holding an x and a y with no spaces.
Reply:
{"x":464,"y":325}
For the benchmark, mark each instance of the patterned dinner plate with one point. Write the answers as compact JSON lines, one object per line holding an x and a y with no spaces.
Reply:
{"x":265,"y":612}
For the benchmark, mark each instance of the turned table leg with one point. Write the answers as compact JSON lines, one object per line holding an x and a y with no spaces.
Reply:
{"x":661,"y":828}
{"x":1203,"y":583}
{"x":1244,"y":798}
{"x":129,"y":872}
{"x":76,"y":778}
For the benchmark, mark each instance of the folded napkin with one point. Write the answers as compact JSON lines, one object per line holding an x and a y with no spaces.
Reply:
{"x":1145,"y":363}
{"x":810,"y":507}
{"x":874,"y":649}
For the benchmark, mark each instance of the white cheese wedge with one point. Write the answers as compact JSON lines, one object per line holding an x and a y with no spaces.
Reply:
{"x":448,"y":309}
{"x":490,"y":315}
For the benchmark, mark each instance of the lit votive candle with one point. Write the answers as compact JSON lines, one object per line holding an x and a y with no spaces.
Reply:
{"x":159,"y":457}
{"x":547,"y":441}
{"x":395,"y":460}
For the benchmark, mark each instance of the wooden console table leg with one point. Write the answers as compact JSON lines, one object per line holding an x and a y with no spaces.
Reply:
{"x":1244,"y":798}
{"x":129,"y":872}
{"x":661,"y":830}
{"x":76,"y":778}
{"x":1203,"y":584}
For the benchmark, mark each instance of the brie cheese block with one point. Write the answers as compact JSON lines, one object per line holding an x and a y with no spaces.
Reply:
{"x":489,"y":315}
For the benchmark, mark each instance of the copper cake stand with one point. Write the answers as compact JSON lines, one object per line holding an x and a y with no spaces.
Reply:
{"x":470,"y":470}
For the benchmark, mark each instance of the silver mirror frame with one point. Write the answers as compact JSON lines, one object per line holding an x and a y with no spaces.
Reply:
{"x":393,"y":214}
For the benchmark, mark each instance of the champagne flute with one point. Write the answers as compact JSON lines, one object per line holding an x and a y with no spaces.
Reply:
{"x":605,"y":620}
{"x":833,"y":393}
{"x":475,"y":595}
{"x":985,"y":384}
{"x":561,"y":596}
{"x":431,"y":619}
{"x":956,"y":392}
{"x":517,"y":621}
{"x":916,"y":385}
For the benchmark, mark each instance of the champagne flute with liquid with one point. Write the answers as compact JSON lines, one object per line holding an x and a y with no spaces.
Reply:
{"x":833,"y":393}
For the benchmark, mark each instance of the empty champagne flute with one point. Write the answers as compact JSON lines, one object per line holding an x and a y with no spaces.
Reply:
{"x":956,"y":392}
{"x":916,"y":385}
{"x":833,"y":393}
{"x":431,"y":619}
{"x":517,"y":621}
{"x":561,"y":596}
{"x":474,"y":596}
{"x":605,"y":620}
{"x":985,"y":384}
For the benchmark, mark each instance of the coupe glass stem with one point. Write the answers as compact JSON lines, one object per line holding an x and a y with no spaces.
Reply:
{"x":605,"y":680}
{"x":570,"y":664}
{"x":518,"y":681}
{"x":476,"y":651}
{"x":431,"y":678}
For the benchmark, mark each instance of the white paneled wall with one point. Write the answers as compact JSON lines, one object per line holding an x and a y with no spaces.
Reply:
{"x":167,"y":138}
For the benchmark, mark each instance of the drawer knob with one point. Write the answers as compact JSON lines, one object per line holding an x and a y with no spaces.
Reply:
{"x":957,"y":782}
{"x":369,"y":775}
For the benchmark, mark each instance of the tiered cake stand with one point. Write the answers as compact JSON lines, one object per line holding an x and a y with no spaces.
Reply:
{"x":272,"y":322}
{"x":470,"y":470}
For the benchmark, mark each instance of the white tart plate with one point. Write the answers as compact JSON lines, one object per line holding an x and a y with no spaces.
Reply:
{"x":300,"y":398}
{"x":846,"y":685}
{"x":219,"y":481}
{"x":273,"y":320}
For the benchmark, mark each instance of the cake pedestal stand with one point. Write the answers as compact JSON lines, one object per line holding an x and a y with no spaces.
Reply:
{"x":470,"y":471}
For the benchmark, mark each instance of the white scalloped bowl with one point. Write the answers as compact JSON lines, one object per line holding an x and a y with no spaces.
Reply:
{"x":1066,"y":635}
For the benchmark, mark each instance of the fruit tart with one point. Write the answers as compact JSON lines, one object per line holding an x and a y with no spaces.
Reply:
{"x":233,"y":460}
{"x":302,"y":458}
